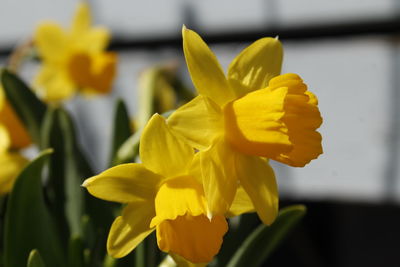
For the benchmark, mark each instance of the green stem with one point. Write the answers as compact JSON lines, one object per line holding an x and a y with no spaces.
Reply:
{"x":140,"y":257}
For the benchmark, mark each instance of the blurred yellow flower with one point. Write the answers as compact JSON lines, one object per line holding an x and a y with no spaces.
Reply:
{"x":11,"y":162}
{"x":240,"y":120}
{"x":163,"y":194}
{"x":12,"y":136}
{"x":74,"y":59}
{"x":11,"y":165}
{"x":19,"y":137}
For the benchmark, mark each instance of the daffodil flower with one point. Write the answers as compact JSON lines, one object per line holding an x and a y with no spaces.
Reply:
{"x":17,"y":134}
{"x":11,"y":165}
{"x":162,"y":193}
{"x":74,"y":58}
{"x":12,"y":137}
{"x":241,"y":120}
{"x":11,"y":162}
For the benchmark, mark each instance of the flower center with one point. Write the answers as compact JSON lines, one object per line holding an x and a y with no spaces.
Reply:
{"x":94,"y":72}
{"x":276,"y":122}
{"x":195,"y":238}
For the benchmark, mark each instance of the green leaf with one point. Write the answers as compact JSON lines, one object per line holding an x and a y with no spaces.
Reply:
{"x":265,"y":239}
{"x":76,"y":170}
{"x":76,"y":253}
{"x":28,"y":224}
{"x":25,"y":103}
{"x":68,"y":168}
{"x":52,"y":137}
{"x":129,"y":149}
{"x":35,"y":260}
{"x":72,"y":169}
{"x":122,"y":129}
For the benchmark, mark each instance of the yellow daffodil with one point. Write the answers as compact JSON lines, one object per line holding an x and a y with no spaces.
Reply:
{"x":163,"y":194}
{"x":11,"y":162}
{"x":11,"y":165}
{"x":12,"y":136}
{"x":17,"y":133}
{"x":74,"y":58}
{"x":241,"y":120}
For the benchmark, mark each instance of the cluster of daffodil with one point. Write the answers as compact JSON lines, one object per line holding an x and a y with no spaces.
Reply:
{"x":201,"y":163}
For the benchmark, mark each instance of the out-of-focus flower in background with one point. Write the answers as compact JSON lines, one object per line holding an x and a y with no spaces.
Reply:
{"x":19,"y":137}
{"x":74,"y":59}
{"x":13,"y":136}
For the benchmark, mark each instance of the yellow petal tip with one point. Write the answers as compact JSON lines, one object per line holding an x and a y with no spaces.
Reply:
{"x":85,"y":183}
{"x":184,"y":29}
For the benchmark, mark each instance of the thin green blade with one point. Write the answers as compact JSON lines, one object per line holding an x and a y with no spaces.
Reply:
{"x":28,"y":224}
{"x":265,"y":239}
{"x":122,"y":129}
{"x":25,"y":103}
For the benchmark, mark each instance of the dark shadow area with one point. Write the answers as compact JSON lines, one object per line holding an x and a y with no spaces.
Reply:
{"x":342,"y":234}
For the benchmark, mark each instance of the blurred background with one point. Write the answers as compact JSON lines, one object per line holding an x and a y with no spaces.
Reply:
{"x":347,"y":51}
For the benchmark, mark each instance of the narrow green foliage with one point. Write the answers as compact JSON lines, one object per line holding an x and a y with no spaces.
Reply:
{"x":265,"y":239}
{"x":129,"y":149}
{"x":67,"y":170}
{"x":28,"y":224}
{"x":122,"y":129}
{"x":28,"y":107}
{"x":52,"y":137}
{"x":76,"y":253}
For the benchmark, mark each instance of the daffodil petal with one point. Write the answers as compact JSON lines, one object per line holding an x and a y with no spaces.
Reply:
{"x":241,"y":203}
{"x":128,"y":230}
{"x":177,"y":197}
{"x":4,"y":139}
{"x":53,"y":83}
{"x":163,"y":153}
{"x":258,"y":180}
{"x":219,"y":177}
{"x":51,"y":42}
{"x":11,"y":165}
{"x":82,"y":20}
{"x":204,"y":69}
{"x":195,"y":169}
{"x":197,"y":239}
{"x":255,"y":66}
{"x":124,"y":183}
{"x":199,"y":122}
{"x":93,"y":40}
